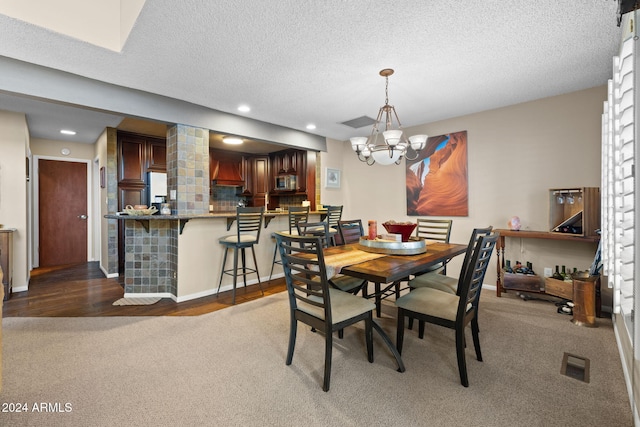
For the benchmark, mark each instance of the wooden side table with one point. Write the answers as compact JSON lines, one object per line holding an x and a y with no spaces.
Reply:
{"x":527,"y":234}
{"x":6,"y":260}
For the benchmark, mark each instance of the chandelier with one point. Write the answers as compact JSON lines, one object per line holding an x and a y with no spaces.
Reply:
{"x":394,"y":144}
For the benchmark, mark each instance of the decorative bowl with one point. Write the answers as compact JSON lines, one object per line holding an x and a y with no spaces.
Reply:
{"x":140,"y":212}
{"x":403,"y":228}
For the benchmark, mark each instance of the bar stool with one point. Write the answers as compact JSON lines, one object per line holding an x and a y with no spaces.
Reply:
{"x":248,"y":225}
{"x":334,"y":214}
{"x":296,"y":214}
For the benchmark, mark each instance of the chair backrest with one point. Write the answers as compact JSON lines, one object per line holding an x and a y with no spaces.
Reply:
{"x":434,"y":229}
{"x":350,"y":230}
{"x":470,"y":285}
{"x":249,"y":223}
{"x":297,"y":214}
{"x":305,"y":273}
{"x":475,"y":235}
{"x":334,"y":214}
{"x":315,"y":229}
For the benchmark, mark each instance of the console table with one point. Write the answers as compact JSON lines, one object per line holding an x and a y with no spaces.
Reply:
{"x":526,"y":234}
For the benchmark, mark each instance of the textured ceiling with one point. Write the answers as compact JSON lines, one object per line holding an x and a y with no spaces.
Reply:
{"x":306,"y":61}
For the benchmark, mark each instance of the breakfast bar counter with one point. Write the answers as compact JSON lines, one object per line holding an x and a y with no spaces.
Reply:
{"x":179,"y":257}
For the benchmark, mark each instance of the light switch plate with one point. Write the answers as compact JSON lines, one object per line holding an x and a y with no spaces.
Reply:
{"x":172,"y":194}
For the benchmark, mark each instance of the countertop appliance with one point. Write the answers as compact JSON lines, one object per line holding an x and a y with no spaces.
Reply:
{"x":157,"y":189}
{"x":286,"y":183}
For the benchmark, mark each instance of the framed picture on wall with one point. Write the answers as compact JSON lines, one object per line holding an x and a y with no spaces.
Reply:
{"x":332,"y":178}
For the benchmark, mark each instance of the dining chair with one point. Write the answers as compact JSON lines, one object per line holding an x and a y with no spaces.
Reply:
{"x":314,"y":302}
{"x":350,"y":231}
{"x":340,"y":281}
{"x":437,"y":230}
{"x":450,"y":310}
{"x":248,"y":225}
{"x":334,"y":214}
{"x":296,"y":214}
{"x":438,"y":280}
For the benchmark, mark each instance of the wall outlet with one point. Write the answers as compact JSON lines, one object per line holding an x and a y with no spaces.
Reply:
{"x":172,"y":194}
{"x":548,"y":272}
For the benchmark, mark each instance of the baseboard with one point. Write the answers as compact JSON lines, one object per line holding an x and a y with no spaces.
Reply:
{"x":108,"y":275}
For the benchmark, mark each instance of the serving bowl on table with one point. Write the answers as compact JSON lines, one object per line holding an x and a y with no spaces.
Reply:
{"x":403,"y":228}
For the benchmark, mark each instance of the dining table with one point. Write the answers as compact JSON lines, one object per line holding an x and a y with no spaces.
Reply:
{"x":386,"y":269}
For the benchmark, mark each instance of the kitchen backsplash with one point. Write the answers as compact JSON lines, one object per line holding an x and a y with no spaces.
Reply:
{"x":224,"y":199}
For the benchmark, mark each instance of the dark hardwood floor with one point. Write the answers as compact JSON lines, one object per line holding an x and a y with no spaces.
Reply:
{"x":83,"y":291}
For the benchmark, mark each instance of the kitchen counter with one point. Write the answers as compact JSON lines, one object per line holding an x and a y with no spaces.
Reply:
{"x":230,"y":216}
{"x":165,"y":257}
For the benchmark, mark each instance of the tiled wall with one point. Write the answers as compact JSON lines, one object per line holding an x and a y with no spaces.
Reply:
{"x":224,"y":199}
{"x":188,"y":169}
{"x":151,"y":257}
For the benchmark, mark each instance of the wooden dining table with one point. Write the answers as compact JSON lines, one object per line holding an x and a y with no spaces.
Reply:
{"x":387,"y":270}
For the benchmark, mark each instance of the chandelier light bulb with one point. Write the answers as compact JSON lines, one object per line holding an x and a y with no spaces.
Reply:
{"x":418,"y":141}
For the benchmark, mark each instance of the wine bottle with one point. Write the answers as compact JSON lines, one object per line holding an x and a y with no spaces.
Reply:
{"x":557,"y":275}
{"x":563,"y":272}
{"x":530,"y":268}
{"x":508,"y":268}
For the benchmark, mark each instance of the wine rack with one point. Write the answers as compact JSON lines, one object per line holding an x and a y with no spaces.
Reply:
{"x":574,"y":211}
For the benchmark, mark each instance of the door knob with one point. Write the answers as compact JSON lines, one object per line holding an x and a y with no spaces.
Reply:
{"x":83,"y":216}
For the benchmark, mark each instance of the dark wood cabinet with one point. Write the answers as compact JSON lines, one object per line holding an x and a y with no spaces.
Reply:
{"x":6,"y":261}
{"x":157,"y":156}
{"x":137,"y":155}
{"x":259,"y":179}
{"x":290,"y":162}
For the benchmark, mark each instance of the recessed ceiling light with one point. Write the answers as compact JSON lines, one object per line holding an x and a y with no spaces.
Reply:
{"x":311,"y":126}
{"x":244,"y":109}
{"x":68,"y":132}
{"x":232,"y":140}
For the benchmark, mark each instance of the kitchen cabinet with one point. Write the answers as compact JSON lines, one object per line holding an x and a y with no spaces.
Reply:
{"x":137,"y":155}
{"x":6,"y":260}
{"x":259,"y":179}
{"x":290,"y":162}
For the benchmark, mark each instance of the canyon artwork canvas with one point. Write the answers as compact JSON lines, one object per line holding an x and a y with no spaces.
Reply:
{"x":437,"y":183}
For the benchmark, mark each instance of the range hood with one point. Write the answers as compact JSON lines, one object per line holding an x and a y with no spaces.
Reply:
{"x":227,"y":171}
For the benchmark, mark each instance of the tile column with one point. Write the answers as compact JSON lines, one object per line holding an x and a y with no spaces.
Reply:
{"x":188,"y":169}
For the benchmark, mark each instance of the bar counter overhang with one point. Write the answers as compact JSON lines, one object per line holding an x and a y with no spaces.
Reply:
{"x":179,"y":257}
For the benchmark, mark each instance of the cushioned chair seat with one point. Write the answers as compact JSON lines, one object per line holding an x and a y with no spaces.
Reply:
{"x":432,"y":302}
{"x":244,"y":238}
{"x":346,"y":283}
{"x":343,"y":306}
{"x":435,"y":281}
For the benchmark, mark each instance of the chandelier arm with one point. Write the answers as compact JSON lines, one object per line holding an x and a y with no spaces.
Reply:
{"x":370,"y":161}
{"x":406,"y":154}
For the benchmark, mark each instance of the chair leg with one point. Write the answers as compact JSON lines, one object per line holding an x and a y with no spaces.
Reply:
{"x":255,"y":263}
{"x":328,"y":346}
{"x":273,"y":264}
{"x":292,"y":338}
{"x":378,"y":300}
{"x":244,"y":266}
{"x":341,"y":333}
{"x":400,"y":330}
{"x":462,"y":364}
{"x":410,"y":326}
{"x":421,"y":329}
{"x":224,"y":261}
{"x":476,"y":338}
{"x":368,"y":332}
{"x":235,"y":275}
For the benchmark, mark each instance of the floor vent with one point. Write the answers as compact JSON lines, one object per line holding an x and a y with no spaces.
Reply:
{"x":575,"y":367}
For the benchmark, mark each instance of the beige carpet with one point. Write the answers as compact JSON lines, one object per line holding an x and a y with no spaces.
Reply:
{"x":228,"y":368}
{"x":136,"y":301}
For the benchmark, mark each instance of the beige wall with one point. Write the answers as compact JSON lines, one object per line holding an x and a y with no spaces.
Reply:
{"x":14,"y":149}
{"x":52,"y":148}
{"x":516,"y":154}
